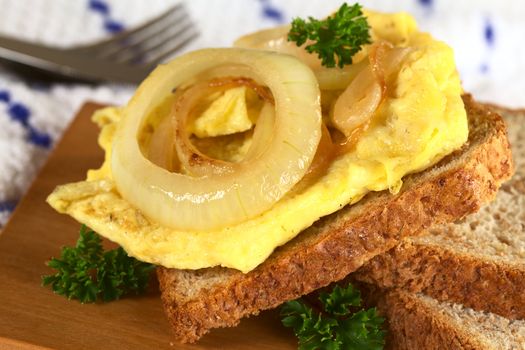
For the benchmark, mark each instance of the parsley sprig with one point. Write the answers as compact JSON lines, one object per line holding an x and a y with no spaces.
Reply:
{"x":87,"y":273}
{"x":336,"y":327}
{"x":335,"y":39}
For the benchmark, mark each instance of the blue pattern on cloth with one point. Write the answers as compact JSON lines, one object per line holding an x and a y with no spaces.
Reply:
{"x":20,"y":113}
{"x":271,"y":12}
{"x":489,"y":37}
{"x":7,"y":206}
{"x":426,"y":3}
{"x":4,"y":96}
{"x":103,"y":8}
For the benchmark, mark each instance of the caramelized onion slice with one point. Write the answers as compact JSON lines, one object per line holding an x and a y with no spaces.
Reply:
{"x":214,"y":201}
{"x":338,"y":78}
{"x":275,"y":39}
{"x":356,"y":106}
{"x":193,"y":161}
{"x":229,"y":70}
{"x":161,"y":147}
{"x":263,"y":132}
{"x":196,"y":163}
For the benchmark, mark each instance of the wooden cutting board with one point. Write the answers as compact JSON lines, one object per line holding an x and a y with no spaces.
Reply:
{"x":32,"y":317}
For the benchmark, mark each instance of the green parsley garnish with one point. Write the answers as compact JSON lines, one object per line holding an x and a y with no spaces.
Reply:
{"x":338,"y":37}
{"x":337,"y":326}
{"x":87,"y":273}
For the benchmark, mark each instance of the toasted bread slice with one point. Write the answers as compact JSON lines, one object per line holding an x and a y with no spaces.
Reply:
{"x":478,"y":262}
{"x":416,"y":321}
{"x":197,"y":301}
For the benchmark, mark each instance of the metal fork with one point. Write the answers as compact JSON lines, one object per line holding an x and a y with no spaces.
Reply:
{"x":126,"y":57}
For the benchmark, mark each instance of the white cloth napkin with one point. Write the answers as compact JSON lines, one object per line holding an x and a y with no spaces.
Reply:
{"x":486,"y":35}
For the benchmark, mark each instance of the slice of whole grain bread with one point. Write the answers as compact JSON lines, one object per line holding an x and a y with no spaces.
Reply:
{"x":416,"y":321}
{"x":478,"y":262}
{"x":197,"y":301}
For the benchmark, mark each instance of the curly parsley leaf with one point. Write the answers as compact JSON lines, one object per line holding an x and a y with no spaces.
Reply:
{"x":87,"y":273}
{"x":363,"y":331}
{"x":335,"y":39}
{"x":340,"y":300}
{"x":336,"y":326}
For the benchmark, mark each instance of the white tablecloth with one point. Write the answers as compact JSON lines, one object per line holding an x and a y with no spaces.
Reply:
{"x":486,"y":35}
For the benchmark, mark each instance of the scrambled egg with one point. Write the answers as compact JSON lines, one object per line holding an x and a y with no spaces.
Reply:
{"x":226,"y":115}
{"x":422,"y":120}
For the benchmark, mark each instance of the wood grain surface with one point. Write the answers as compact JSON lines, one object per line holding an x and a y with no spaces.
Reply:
{"x":32,"y":317}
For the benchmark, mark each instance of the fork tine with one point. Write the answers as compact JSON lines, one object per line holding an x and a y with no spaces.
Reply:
{"x":85,"y":62}
{"x":130,"y":49}
{"x":175,"y":45}
{"x":126,"y":35}
{"x":136,"y":53}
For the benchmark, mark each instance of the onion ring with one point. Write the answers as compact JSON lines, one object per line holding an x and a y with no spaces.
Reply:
{"x":215,"y":201}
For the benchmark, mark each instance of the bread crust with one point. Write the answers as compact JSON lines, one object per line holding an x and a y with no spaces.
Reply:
{"x":445,"y":275}
{"x":414,"y":326}
{"x":342,"y":242}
